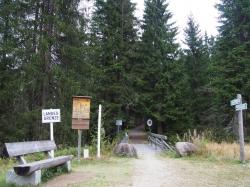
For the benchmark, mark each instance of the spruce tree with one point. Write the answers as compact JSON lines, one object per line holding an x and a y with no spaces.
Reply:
{"x":232,"y":65}
{"x":114,"y":42}
{"x":42,"y":55}
{"x":196,"y":63}
{"x":160,"y":77}
{"x":12,"y":36}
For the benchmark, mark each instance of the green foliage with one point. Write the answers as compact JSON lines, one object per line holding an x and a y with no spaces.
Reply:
{"x":47,"y":174}
{"x":49,"y":52}
{"x":114,"y":40}
{"x":160,"y":81}
{"x":231,"y":66}
{"x":197,"y":59}
{"x":41,"y":57}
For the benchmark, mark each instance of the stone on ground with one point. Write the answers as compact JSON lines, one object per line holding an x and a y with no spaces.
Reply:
{"x":185,"y":148}
{"x":125,"y":149}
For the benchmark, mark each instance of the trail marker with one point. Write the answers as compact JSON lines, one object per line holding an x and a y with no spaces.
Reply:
{"x":239,"y":107}
{"x":234,"y":102}
{"x":149,"y":122}
{"x":118,"y":123}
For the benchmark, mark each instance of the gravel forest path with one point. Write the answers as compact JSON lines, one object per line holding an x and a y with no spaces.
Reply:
{"x":149,"y":170}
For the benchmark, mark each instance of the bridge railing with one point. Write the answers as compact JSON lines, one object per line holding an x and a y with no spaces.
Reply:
{"x":159,"y":141}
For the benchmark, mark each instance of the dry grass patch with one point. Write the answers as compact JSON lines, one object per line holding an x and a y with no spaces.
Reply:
{"x":208,"y":148}
{"x":224,"y":150}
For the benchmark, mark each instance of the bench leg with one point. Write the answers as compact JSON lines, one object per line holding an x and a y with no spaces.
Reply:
{"x":33,"y":179}
{"x":67,"y":165}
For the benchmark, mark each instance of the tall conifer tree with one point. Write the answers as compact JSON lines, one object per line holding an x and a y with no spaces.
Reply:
{"x":232,"y":65}
{"x":160,"y":78}
{"x":196,"y":63}
{"x":114,"y":41}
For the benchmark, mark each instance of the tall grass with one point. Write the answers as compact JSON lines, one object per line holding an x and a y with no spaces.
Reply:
{"x":223,"y":151}
{"x":5,"y":164}
{"x":209,"y":148}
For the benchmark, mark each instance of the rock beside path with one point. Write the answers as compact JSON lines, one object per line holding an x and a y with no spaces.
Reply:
{"x":185,"y":148}
{"x":125,"y":149}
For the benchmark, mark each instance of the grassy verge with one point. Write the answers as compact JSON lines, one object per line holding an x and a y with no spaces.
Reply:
{"x":211,"y":150}
{"x":5,"y":165}
{"x":197,"y":171}
{"x":222,"y":151}
{"x":117,"y":168}
{"x":113,"y":171}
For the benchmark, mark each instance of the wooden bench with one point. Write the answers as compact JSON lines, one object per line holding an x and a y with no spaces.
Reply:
{"x":30,"y":173}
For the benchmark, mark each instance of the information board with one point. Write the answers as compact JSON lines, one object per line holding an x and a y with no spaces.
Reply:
{"x":81,"y":112}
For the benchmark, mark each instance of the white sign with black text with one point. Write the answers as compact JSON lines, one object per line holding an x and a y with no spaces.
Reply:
{"x":241,"y":107}
{"x":51,"y":115}
{"x":234,"y":102}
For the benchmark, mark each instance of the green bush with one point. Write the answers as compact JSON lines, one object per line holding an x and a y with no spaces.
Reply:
{"x":52,"y":172}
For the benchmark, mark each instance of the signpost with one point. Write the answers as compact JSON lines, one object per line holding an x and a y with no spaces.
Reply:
{"x":51,"y":116}
{"x":80,"y":117}
{"x":239,"y":107}
{"x":118,"y":123}
{"x":149,"y":123}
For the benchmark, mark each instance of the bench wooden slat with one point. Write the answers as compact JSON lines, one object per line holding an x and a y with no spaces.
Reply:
{"x":23,"y":148}
{"x":29,"y":168}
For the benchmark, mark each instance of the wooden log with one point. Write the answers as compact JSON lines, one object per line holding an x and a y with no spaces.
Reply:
{"x":23,"y":148}
{"x":29,"y":168}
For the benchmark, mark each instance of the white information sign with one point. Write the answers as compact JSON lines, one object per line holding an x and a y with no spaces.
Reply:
{"x":235,"y":102}
{"x":118,"y":122}
{"x":241,"y":107}
{"x":149,"y":122}
{"x":51,"y":115}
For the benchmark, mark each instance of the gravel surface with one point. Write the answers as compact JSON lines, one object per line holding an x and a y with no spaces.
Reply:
{"x":150,"y":170}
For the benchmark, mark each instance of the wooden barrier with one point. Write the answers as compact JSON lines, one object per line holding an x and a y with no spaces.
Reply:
{"x":159,"y":141}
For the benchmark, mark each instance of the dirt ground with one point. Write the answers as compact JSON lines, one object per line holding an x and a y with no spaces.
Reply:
{"x":72,"y":179}
{"x":152,"y":169}
{"x":157,"y":171}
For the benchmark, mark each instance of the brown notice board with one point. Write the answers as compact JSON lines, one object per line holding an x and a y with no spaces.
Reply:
{"x":81,"y":112}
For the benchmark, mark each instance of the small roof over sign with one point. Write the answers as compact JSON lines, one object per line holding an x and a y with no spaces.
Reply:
{"x":87,"y":97}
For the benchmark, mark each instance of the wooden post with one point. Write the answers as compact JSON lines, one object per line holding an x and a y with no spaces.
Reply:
{"x":118,"y":129}
{"x":241,"y":131}
{"x":99,"y":132}
{"x":79,"y":144}
{"x":52,"y":138}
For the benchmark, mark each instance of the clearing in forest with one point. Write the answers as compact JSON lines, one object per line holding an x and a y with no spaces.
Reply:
{"x":154,"y":169}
